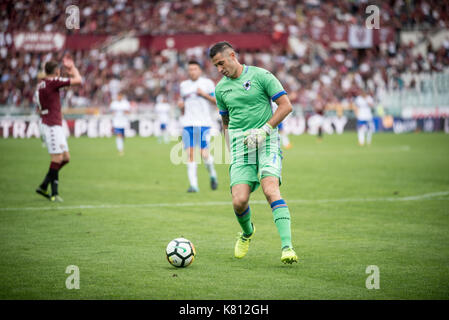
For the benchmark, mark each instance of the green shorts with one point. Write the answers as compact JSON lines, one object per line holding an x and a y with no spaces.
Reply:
{"x":260,"y":166}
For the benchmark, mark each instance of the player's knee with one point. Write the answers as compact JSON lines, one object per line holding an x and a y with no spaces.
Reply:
{"x":273,"y":197}
{"x":239,"y":202}
{"x":57,"y":158}
{"x":190,"y":154}
{"x":205,"y":154}
{"x":240,"y":206}
{"x":272,"y":193}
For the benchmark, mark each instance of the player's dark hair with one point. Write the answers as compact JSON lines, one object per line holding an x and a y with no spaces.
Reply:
{"x":194,"y":62}
{"x":219,"y":47}
{"x":50,"y":67}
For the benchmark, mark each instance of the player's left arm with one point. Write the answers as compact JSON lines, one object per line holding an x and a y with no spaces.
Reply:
{"x":283,"y":110}
{"x":277,"y":94}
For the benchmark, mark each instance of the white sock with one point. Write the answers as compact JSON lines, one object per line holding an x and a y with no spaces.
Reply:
{"x":361,"y":135}
{"x":285,"y":139}
{"x":210,"y":167}
{"x":191,"y":173}
{"x":166,"y":137}
{"x":119,"y":143}
{"x":369,"y":135}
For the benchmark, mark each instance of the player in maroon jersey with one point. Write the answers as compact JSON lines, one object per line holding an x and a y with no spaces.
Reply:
{"x":48,"y":101}
{"x":319,"y":109}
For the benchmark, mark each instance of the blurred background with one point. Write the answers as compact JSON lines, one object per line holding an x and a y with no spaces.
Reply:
{"x":324,"y":53}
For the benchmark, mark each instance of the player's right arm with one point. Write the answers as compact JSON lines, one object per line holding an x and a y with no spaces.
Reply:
{"x":355,"y":106}
{"x":74,"y":74}
{"x":225,"y":120}
{"x":113,"y":107}
{"x":181,"y":105}
{"x":224,"y":113}
{"x":181,"y":99}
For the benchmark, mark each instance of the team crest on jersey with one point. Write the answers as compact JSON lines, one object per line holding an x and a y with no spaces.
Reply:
{"x":247,"y":85}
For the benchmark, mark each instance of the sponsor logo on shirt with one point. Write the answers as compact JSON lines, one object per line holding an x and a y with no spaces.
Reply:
{"x":226,"y":92}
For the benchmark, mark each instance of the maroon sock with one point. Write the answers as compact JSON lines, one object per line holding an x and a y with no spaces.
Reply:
{"x":54,"y":177}
{"x":63,"y":163}
{"x":55,"y":165}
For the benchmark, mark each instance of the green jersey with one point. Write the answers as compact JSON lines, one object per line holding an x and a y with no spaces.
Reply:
{"x":247,"y":101}
{"x":247,"y":98}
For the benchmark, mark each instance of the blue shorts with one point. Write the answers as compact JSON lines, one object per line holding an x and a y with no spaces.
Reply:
{"x":163,"y":126}
{"x":361,"y":123}
{"x":196,"y":136}
{"x":280,"y":126}
{"x":119,"y":131}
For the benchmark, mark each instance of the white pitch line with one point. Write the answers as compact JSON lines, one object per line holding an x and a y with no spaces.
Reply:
{"x":409,"y":198}
{"x":228,"y":203}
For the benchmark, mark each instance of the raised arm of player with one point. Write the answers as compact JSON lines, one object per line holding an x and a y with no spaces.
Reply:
{"x":74,"y":74}
{"x":284,"y":108}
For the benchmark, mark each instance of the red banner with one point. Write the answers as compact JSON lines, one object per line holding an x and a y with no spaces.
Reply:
{"x":84,"y":41}
{"x":239,"y":40}
{"x":383,"y":35}
{"x":353,"y":36}
{"x":357,"y":37}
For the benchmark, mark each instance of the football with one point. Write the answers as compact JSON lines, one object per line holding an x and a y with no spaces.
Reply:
{"x":180,"y":252}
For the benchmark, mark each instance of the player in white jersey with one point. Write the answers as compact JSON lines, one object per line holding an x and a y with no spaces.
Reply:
{"x":197,"y":94}
{"x":120,"y":122}
{"x":163,"y":109}
{"x":365,"y":126}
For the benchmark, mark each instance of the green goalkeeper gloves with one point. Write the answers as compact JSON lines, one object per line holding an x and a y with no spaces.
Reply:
{"x":255,"y":137}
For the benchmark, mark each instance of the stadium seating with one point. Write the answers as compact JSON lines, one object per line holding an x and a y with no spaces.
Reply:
{"x":308,"y":68}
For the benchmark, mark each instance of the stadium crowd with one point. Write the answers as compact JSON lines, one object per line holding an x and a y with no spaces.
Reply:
{"x":211,"y":16}
{"x":311,"y":73}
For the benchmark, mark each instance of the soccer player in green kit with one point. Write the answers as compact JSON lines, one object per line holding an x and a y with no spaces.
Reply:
{"x":243,"y":98}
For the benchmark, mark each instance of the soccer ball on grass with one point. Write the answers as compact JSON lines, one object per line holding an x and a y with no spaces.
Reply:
{"x":180,"y":252}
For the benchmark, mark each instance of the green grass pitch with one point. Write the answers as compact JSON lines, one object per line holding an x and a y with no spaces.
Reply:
{"x":385,"y":205}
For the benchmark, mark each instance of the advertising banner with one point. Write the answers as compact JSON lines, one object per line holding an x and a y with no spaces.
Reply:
{"x":101,"y":127}
{"x":38,"y":41}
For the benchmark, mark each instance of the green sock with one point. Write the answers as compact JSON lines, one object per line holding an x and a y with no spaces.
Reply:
{"x":281,"y":217}
{"x":244,"y":220}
